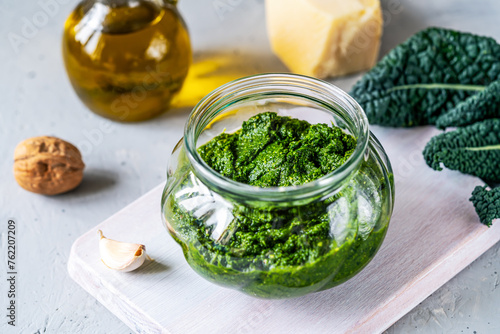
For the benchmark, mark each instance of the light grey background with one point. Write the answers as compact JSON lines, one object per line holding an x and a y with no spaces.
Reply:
{"x":126,"y":160}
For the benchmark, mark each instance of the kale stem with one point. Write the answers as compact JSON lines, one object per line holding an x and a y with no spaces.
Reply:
{"x":484,"y":148}
{"x":439,"y":86}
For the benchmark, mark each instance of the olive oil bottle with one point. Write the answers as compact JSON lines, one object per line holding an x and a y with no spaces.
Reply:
{"x":126,"y":59}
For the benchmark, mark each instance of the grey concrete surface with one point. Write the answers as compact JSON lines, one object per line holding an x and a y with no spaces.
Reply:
{"x":126,"y":160}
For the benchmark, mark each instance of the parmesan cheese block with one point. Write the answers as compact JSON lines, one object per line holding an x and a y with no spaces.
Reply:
{"x":323,"y":38}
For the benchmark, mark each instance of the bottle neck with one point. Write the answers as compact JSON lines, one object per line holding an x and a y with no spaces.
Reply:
{"x":134,"y":3}
{"x":123,"y":16}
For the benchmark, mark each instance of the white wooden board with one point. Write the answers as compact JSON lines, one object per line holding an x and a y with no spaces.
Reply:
{"x":434,"y":234}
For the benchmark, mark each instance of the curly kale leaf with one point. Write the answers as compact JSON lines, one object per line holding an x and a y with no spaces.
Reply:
{"x":429,"y":74}
{"x":474,"y":149}
{"x":483,"y":105}
{"x":487,"y":204}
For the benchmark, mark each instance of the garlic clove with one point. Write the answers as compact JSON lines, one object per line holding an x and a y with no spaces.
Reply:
{"x":121,"y":256}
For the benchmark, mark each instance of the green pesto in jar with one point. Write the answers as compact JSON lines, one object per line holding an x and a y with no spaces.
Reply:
{"x":275,"y":151}
{"x":279,"y":252}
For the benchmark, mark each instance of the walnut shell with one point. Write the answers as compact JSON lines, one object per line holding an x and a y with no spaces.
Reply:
{"x":47,"y":165}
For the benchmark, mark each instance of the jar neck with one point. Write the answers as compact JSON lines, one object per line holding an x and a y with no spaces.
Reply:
{"x":331,"y":99}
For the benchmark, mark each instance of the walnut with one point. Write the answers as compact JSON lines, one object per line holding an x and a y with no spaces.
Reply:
{"x":47,"y":165}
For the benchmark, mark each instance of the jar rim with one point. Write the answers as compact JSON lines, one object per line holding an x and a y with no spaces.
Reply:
{"x":218,"y":100}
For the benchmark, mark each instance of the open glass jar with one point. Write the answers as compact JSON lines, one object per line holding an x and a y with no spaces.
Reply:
{"x":310,"y":237}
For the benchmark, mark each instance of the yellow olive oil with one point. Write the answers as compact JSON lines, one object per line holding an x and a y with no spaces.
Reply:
{"x":126,"y":60}
{"x":210,"y":70}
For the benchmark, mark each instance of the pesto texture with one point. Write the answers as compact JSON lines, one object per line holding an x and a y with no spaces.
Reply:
{"x":275,"y":151}
{"x":280,"y":251}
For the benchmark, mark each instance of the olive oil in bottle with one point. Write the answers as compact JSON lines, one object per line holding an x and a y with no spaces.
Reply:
{"x":126,"y":59}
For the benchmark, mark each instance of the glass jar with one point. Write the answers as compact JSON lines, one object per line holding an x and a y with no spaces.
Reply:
{"x":126,"y":59}
{"x":313,"y":236}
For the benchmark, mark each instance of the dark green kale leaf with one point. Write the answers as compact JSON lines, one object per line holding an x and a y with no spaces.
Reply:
{"x":474,"y":149}
{"x":483,"y":105}
{"x":430,"y":73}
{"x":487,"y":204}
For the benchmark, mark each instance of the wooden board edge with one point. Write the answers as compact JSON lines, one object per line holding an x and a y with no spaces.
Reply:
{"x":86,"y":277}
{"x":121,"y":307}
{"x":405,"y":301}
{"x":93,"y":230}
{"x":381,"y":319}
